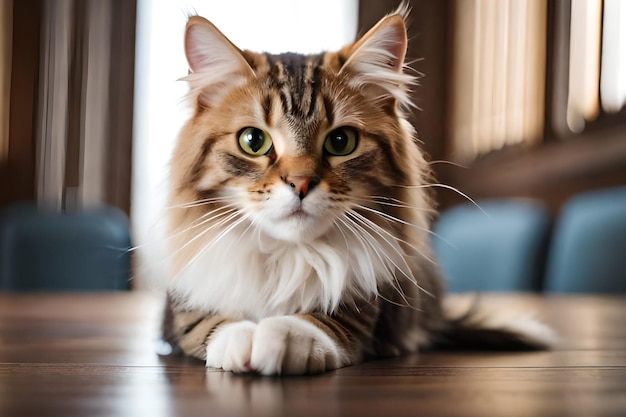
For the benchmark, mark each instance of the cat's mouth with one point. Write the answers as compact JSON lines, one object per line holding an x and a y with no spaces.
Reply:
{"x":298,"y":213}
{"x":288,"y":218}
{"x":296,"y":224}
{"x":299,"y":210}
{"x":301,"y":216}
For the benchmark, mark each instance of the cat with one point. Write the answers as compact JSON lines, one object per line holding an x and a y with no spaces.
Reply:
{"x":300,"y":213}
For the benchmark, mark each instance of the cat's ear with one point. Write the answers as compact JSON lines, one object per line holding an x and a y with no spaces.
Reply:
{"x":210,"y":54}
{"x":377,"y":59}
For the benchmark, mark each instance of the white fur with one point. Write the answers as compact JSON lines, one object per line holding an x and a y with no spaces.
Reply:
{"x":230,"y":346}
{"x":275,"y":216}
{"x":251,"y":274}
{"x":276,"y":345}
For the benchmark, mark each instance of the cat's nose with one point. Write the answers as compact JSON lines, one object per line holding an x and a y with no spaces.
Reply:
{"x":302,"y":185}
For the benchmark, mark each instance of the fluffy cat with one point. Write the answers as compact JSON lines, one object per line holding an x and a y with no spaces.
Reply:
{"x":300,"y":212}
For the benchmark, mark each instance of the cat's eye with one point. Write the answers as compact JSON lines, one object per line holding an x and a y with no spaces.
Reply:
{"x":341,"y":141}
{"x":254,"y":141}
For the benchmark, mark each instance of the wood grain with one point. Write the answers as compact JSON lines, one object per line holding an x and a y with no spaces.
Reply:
{"x":94,"y":355}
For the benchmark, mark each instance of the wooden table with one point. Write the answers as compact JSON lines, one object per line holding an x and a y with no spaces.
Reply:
{"x":94,"y":355}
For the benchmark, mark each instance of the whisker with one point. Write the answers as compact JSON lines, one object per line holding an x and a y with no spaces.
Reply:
{"x":214,"y":240}
{"x":202,"y":219}
{"x":408,"y":304}
{"x":364,"y":239}
{"x":401,"y":204}
{"x":345,"y":238}
{"x":365,"y":236}
{"x":395,"y":219}
{"x":365,"y":219}
{"x":447,"y":187}
{"x":374,"y":228}
{"x":392,"y":202}
{"x":198,"y":203}
{"x":145,"y":268}
{"x":251,"y":224}
{"x":377,"y":229}
{"x":442,"y":161}
{"x":234,"y":213}
{"x":231,"y":214}
{"x":224,"y":233}
{"x":194,"y":224}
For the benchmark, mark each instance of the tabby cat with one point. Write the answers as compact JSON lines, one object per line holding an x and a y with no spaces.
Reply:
{"x":300,"y":212}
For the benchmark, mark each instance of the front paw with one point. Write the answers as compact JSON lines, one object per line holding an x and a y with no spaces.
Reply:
{"x":287,"y":345}
{"x":291,"y":345}
{"x":230,"y":347}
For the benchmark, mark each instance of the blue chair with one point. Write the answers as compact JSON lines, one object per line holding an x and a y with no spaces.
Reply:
{"x":45,"y":250}
{"x":588,"y":250}
{"x":500,"y":249}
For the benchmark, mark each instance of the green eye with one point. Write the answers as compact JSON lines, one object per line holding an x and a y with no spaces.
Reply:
{"x":255,"y":142}
{"x":341,"y":141}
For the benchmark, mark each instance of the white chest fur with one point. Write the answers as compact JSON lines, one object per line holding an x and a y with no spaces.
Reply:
{"x":248,"y":274}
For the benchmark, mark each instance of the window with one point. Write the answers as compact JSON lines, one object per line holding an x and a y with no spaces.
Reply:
{"x":500,"y":64}
{"x":498,"y":75}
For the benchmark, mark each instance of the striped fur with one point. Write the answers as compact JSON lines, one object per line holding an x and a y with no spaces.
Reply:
{"x":298,"y":260}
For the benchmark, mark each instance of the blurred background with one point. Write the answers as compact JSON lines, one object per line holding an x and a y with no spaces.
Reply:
{"x":520,"y":101}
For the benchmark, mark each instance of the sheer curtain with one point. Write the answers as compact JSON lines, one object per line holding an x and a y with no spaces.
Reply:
{"x":499,"y":70}
{"x":584,"y":63}
{"x":498,"y":75}
{"x":84,"y":123}
{"x":613,"y":75}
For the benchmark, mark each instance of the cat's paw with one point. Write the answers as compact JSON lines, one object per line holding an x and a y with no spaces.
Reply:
{"x":291,"y":345}
{"x":230,"y":347}
{"x":287,"y":345}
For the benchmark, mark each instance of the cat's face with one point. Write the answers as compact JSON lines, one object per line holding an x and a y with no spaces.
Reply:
{"x":292,"y":144}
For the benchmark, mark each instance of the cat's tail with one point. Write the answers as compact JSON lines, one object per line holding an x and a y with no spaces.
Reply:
{"x":480,"y":328}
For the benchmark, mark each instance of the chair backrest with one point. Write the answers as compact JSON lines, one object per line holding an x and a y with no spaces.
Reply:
{"x":43,"y":250}
{"x":499,"y":249}
{"x":588,"y":250}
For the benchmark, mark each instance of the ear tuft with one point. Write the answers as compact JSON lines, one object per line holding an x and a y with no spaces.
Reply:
{"x":211,"y":56}
{"x":377,"y":59}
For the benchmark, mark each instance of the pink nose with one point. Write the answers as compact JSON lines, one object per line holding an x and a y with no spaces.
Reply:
{"x":301,"y":185}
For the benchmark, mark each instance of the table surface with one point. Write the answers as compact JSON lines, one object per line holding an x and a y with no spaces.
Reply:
{"x":95,"y":355}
